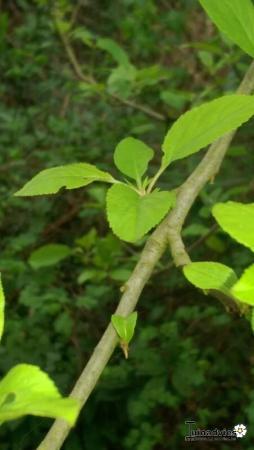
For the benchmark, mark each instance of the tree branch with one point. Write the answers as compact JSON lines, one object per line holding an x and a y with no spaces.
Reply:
{"x":205,"y":171}
{"x":169,"y":229}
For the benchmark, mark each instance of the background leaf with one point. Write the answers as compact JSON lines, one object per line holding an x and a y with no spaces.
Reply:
{"x":210,"y":275}
{"x":72,"y":176}
{"x":234,"y":18}
{"x":132,"y":157}
{"x":204,"y":124}
{"x":131,"y":216}
{"x":84,"y":35}
{"x":49,"y":255}
{"x":121,"y":80}
{"x":237,"y":219}
{"x":27,"y":390}
{"x":112,"y":47}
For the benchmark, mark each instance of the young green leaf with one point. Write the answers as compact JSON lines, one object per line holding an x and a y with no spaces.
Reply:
{"x":131,"y":215}
{"x":132,"y":157}
{"x":2,"y":302}
{"x":237,"y":219}
{"x":72,"y":176}
{"x":202,"y":125}
{"x":235,"y":18}
{"x":243,"y":290}
{"x":49,"y":255}
{"x":210,"y":275}
{"x":125,"y":327}
{"x":27,"y":390}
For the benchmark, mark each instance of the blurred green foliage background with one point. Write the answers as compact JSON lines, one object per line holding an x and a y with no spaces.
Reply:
{"x":76,"y":77}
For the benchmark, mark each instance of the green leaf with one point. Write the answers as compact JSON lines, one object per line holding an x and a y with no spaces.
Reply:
{"x":131,"y":215}
{"x":150,"y":76}
{"x":216,"y":244}
{"x":84,"y":35}
{"x":206,"y":58}
{"x":120,"y":82}
{"x":64,"y":324}
{"x":49,"y":255}
{"x":243,"y":290}
{"x":27,"y":390}
{"x":125,"y":326}
{"x":237,"y":219}
{"x":63,"y":25}
{"x":235,"y":18}
{"x":202,"y":125}
{"x":132,"y":157}
{"x":89,"y":89}
{"x":88,"y":240}
{"x":72,"y":176}
{"x":210,"y":275}
{"x":175,"y":99}
{"x":117,"y":53}
{"x":2,"y":303}
{"x":86,"y":275}
{"x":120,"y":274}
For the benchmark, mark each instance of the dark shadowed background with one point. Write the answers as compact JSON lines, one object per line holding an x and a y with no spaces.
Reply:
{"x":69,"y":95}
